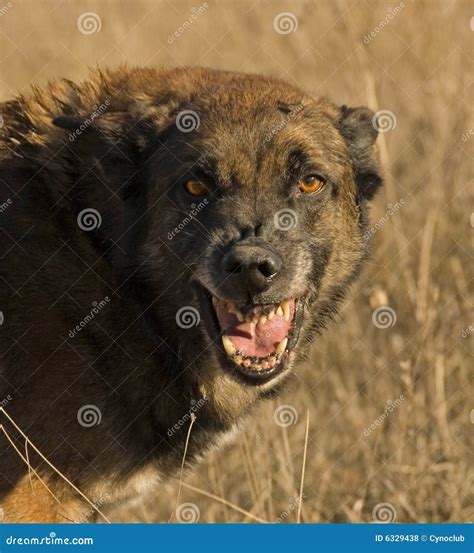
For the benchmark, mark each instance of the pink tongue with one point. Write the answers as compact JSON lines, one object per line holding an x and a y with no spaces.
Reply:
{"x":254,"y":340}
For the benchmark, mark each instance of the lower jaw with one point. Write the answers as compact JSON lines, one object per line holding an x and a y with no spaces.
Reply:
{"x":252,"y":376}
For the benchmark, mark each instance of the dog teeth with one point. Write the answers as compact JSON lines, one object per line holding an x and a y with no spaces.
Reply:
{"x":271,"y":314}
{"x":282,"y":346}
{"x":271,"y":361}
{"x":262,"y":320}
{"x":279,"y":311}
{"x":286,"y":310}
{"x":228,"y":345}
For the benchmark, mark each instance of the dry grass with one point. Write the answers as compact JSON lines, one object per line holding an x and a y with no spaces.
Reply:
{"x":416,"y":67}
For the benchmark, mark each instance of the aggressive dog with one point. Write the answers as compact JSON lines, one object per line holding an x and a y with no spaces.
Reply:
{"x":171,"y":243}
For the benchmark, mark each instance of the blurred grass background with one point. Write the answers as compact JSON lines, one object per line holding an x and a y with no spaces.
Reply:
{"x":417,"y":65}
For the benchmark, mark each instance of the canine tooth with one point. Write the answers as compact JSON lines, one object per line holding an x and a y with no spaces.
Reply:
{"x":228,"y":345}
{"x":282,"y":346}
{"x":271,"y":314}
{"x":280,"y":311}
{"x":286,"y":310}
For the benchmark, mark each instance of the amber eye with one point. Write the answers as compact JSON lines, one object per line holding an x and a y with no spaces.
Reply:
{"x":311,"y":184}
{"x":196,"y":187}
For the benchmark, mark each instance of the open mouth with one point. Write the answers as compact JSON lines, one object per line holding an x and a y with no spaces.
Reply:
{"x":257,"y":339}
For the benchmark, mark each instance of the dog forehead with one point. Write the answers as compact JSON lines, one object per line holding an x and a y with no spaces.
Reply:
{"x":255,"y":144}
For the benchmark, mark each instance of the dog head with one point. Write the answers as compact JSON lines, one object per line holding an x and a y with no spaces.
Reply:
{"x":244,"y":214}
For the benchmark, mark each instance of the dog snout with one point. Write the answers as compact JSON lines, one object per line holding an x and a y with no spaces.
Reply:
{"x":251,"y":266}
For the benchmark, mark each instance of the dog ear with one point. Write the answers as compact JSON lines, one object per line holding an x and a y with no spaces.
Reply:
{"x":97,"y":131}
{"x":358,"y":127}
{"x":109,"y":144}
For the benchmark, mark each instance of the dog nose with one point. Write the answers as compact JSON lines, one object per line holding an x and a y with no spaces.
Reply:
{"x":253,"y":267}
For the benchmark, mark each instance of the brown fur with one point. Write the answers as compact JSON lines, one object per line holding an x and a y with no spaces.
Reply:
{"x":51,"y":272}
